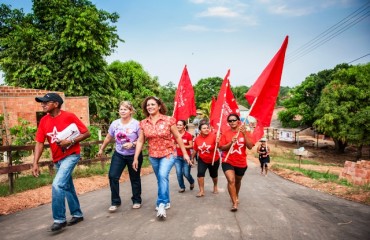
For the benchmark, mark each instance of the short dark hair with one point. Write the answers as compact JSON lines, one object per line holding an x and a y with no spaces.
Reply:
{"x":233,"y":114}
{"x":201,"y":123}
{"x":162,"y":109}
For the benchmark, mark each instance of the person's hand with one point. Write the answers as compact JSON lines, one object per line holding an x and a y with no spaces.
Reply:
{"x":188,"y":160}
{"x":100,"y":153}
{"x":128,"y":145}
{"x":242,"y":129}
{"x":35,"y":170}
{"x":135,"y":164}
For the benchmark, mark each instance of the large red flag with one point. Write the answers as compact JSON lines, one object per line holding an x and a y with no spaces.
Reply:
{"x":225,"y":105}
{"x":263,"y":94}
{"x":184,"y":98}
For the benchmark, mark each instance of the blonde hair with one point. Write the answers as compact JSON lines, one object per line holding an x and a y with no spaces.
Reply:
{"x":127,"y":104}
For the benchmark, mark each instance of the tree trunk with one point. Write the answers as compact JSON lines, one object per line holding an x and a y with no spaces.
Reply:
{"x":340,"y":146}
{"x":359,"y":152}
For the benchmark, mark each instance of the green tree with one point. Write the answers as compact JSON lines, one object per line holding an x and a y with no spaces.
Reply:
{"x":205,"y":88}
{"x":305,"y":98}
{"x":167,"y":94}
{"x":132,"y":83}
{"x":239,"y":94}
{"x":344,"y":108}
{"x":60,"y":46}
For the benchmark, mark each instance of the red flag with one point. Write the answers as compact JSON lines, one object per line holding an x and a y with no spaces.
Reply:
{"x":225,"y":105}
{"x":213,"y":103}
{"x":184,"y":98}
{"x":265,"y":91}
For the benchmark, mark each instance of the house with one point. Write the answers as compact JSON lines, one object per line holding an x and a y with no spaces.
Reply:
{"x":16,"y":102}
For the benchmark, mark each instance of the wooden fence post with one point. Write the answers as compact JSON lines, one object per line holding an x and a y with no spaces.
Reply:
{"x":10,"y":175}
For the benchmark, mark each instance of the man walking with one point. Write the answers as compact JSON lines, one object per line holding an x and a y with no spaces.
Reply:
{"x":64,"y":131}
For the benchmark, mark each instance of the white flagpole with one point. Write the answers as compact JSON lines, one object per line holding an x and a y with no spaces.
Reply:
{"x":217,"y":134}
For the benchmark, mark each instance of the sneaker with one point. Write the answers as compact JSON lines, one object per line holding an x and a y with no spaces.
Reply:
{"x":136,"y":206}
{"x":75,"y":220}
{"x":167,"y":206}
{"x":58,"y":226}
{"x":161,"y":213}
{"x":112,"y":208}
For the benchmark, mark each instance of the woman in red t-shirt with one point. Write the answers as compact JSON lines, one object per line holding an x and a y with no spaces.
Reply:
{"x":205,"y":145}
{"x":235,"y":165}
{"x":182,"y":167}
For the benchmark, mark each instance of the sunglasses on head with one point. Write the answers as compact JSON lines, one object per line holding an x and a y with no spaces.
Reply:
{"x":232,"y":120}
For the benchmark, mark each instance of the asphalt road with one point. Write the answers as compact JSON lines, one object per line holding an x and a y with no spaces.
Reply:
{"x":270,"y":208}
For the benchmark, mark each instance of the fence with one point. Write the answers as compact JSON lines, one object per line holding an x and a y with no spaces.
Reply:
{"x":12,"y":169}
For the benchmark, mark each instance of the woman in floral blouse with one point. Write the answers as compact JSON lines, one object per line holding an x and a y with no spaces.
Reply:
{"x":158,"y":129}
{"x":125,"y":132}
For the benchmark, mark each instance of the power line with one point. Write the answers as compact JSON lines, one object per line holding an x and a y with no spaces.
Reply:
{"x":346,"y":23}
{"x":359,"y":58}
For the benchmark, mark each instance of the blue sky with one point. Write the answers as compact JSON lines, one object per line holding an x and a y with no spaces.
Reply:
{"x":212,"y":36}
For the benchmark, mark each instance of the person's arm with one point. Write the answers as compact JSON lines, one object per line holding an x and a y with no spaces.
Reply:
{"x":258,"y":149}
{"x":39,"y":147}
{"x":107,"y":140}
{"x":179,"y":141}
{"x":139,"y":146}
{"x":226,"y":146}
{"x":247,"y":136}
{"x":67,"y":143}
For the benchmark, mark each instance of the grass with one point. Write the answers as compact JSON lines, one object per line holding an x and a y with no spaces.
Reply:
{"x":27,"y":182}
{"x":320,"y":176}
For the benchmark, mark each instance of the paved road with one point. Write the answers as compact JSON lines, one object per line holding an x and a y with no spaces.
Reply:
{"x":270,"y":208}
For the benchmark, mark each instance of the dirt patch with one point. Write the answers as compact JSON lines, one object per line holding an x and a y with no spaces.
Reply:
{"x":40,"y":196}
{"x":320,"y":151}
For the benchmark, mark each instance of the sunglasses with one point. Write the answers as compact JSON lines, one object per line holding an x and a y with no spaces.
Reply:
{"x":232,"y":120}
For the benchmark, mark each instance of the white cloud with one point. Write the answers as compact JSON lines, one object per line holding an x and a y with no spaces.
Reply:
{"x":219,"y":12}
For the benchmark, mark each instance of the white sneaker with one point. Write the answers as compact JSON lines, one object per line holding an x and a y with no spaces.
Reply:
{"x":161,"y":211}
{"x":112,"y":208}
{"x":167,"y":206}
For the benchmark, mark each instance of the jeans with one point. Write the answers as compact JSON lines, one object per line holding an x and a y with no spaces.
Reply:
{"x":63,"y":188}
{"x":162,"y":167}
{"x":118,"y":164}
{"x":183,"y":170}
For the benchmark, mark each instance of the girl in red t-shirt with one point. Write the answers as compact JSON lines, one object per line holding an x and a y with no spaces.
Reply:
{"x":182,"y":167}
{"x":205,"y":146}
{"x":233,"y":143}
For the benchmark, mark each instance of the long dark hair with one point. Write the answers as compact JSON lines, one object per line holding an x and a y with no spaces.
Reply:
{"x":162,"y":109}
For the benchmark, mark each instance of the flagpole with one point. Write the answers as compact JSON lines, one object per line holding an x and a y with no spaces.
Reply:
{"x":237,"y":134}
{"x":174,"y":109}
{"x":217,"y":134}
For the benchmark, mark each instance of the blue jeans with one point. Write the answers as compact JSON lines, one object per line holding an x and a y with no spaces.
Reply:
{"x":183,"y":170}
{"x":118,"y":164}
{"x":63,"y":188}
{"x":162,"y":167}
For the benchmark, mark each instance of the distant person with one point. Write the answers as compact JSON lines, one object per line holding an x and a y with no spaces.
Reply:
{"x":64,"y":131}
{"x":234,"y":167}
{"x":182,"y":167}
{"x":264,"y":156}
{"x":158,"y":129}
{"x":204,"y":146}
{"x":125,"y":132}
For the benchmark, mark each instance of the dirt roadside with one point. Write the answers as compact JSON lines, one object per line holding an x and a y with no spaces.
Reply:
{"x":40,"y":196}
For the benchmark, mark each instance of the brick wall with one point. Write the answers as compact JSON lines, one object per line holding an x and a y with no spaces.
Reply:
{"x":356,"y":172}
{"x":20,"y":103}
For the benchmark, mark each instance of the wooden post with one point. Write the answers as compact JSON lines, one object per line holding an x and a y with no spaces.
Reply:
{"x":10,"y":175}
{"x":300,"y":159}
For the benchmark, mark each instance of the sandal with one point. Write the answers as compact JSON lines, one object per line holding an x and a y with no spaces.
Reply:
{"x":234,"y":209}
{"x":182,"y":190}
{"x":136,"y":206}
{"x":199,"y":195}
